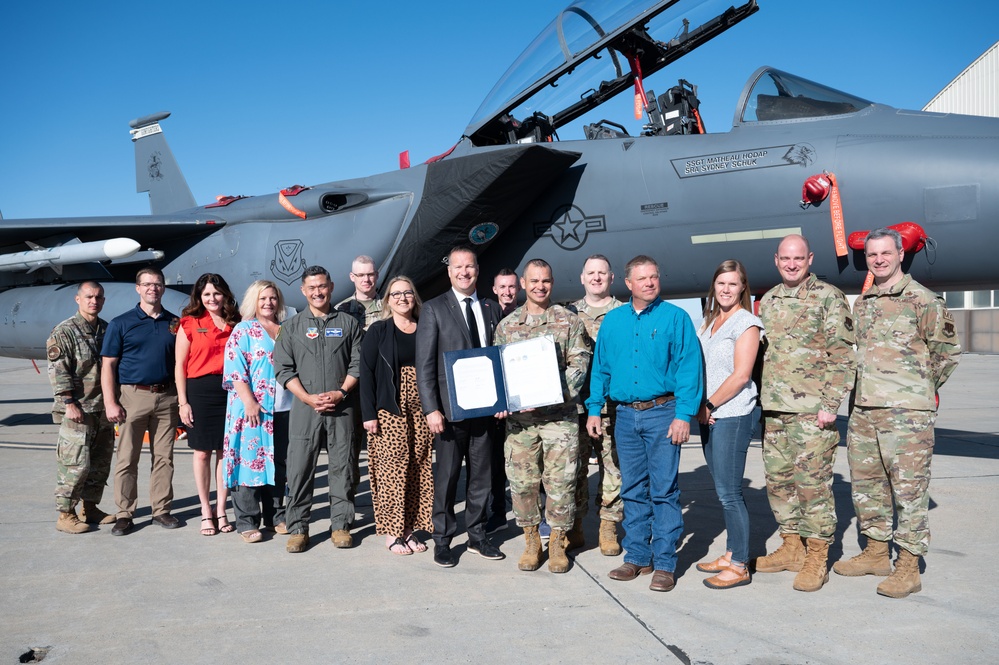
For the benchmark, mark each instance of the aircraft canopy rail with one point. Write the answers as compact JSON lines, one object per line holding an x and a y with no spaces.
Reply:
{"x":587,"y":55}
{"x":772,"y":94}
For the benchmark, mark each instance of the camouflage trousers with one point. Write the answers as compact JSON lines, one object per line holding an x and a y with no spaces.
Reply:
{"x":798,"y":459}
{"x":542,"y":450}
{"x":608,"y":498}
{"x":890,"y":451}
{"x":84,"y":453}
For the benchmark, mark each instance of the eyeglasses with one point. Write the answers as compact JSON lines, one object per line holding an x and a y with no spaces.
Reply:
{"x":399,"y":295}
{"x":365,"y":275}
{"x":152,"y":285}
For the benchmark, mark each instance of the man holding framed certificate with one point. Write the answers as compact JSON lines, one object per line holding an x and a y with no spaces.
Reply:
{"x":542,"y":444}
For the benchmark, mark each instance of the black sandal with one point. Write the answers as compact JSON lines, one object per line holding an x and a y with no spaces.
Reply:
{"x":225,"y":528}
{"x":399,"y":542}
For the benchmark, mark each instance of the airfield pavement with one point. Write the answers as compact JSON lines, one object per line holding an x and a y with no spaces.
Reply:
{"x":160,"y":596}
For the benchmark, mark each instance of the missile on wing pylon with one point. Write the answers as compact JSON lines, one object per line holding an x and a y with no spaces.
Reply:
{"x":57,"y":257}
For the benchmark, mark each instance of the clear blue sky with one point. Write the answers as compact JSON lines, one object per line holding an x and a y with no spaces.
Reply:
{"x":265,"y":95}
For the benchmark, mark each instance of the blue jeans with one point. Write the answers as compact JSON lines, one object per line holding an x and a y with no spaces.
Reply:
{"x":649,"y":464}
{"x":725,"y":445}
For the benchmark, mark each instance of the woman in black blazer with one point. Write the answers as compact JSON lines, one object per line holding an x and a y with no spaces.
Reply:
{"x":402,"y":486}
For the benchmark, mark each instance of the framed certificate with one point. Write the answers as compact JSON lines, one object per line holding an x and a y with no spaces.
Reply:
{"x":512,"y":377}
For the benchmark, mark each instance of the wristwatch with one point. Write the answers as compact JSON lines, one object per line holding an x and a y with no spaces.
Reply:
{"x":69,"y":400}
{"x":711,"y":407}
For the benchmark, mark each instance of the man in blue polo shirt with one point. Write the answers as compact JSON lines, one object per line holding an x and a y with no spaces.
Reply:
{"x":647,"y":362}
{"x":140,"y":395}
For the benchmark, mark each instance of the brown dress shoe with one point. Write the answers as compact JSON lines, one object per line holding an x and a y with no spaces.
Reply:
{"x":629,"y":571}
{"x":662,"y":581}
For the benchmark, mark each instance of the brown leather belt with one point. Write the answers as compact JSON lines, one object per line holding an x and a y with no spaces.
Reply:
{"x":155,"y":388}
{"x":643,"y":406}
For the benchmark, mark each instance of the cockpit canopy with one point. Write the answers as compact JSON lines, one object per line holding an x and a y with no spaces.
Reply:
{"x":591,"y":52}
{"x":596,"y":49}
{"x":775,"y":95}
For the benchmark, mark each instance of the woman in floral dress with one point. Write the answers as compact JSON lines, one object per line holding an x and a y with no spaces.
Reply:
{"x":256,"y":439}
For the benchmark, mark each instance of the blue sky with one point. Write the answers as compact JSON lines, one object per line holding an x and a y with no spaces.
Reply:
{"x":266,"y":95}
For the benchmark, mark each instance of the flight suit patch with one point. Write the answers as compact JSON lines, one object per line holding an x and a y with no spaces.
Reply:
{"x":54,"y":352}
{"x":334,"y":332}
{"x":312,"y":333}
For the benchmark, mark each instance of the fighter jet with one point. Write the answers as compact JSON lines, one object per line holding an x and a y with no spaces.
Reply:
{"x":800,"y":157}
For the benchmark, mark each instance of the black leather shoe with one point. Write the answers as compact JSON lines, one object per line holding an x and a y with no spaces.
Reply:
{"x":443,"y":556}
{"x":121,"y":526}
{"x":496,"y":523}
{"x":167,"y":521}
{"x":485,"y":549}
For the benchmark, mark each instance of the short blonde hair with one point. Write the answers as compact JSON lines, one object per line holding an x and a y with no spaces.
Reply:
{"x":248,"y":305}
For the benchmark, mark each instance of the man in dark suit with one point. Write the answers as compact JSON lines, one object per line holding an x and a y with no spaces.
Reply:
{"x":452,"y":321}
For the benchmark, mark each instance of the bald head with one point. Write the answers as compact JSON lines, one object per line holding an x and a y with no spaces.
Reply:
{"x":793,"y":259}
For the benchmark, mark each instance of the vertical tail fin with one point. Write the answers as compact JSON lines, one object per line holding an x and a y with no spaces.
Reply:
{"x":156,"y":170}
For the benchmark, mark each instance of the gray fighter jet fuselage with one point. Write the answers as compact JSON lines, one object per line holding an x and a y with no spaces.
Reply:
{"x":509,"y":188}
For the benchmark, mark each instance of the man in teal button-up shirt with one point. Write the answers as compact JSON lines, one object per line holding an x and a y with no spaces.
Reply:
{"x":648,"y":362}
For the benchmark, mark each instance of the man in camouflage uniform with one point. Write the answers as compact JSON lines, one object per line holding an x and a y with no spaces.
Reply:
{"x":365,"y":306}
{"x":542,"y":444}
{"x":807,"y":371}
{"x":597,"y":278}
{"x":86,"y":437}
{"x":906,"y":349}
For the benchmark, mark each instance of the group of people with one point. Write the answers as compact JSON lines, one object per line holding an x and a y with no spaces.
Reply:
{"x":267,"y":393}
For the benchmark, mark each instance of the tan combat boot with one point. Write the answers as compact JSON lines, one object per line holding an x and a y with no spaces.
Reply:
{"x":874,"y":560}
{"x":608,"y":538}
{"x":94,"y":515}
{"x":70,"y":523}
{"x":814,"y":572}
{"x":574,"y":536}
{"x":558,"y":562}
{"x":789,"y":556}
{"x":904,"y":579}
{"x":531,"y":558}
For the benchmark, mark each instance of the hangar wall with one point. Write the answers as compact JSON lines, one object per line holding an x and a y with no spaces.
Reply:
{"x":975,"y":91}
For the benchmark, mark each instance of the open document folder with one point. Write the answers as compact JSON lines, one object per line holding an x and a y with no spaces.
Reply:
{"x":512,"y":377}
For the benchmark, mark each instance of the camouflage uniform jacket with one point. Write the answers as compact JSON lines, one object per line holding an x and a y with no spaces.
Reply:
{"x":592,"y":317}
{"x":809,"y":361}
{"x":74,"y":353}
{"x":366,"y":314}
{"x":575,"y":348}
{"x":907,"y":346}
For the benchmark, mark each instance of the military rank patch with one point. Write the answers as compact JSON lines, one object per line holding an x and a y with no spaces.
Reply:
{"x":54,"y":352}
{"x":312,"y":333}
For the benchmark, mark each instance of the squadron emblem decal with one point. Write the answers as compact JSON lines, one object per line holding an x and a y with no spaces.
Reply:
{"x":569,"y":227}
{"x":483,"y":233}
{"x":288,"y":263}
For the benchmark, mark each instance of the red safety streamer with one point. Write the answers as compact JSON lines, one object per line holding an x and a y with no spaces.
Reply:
{"x":836,"y":217}
{"x":286,"y":204}
{"x":641,"y":103}
{"x":868,"y":281}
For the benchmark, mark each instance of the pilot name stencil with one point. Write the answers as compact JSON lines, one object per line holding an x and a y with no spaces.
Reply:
{"x":570,"y":226}
{"x":801,"y":154}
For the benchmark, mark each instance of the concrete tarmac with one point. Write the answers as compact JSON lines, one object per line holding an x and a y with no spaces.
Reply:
{"x":174,"y":596}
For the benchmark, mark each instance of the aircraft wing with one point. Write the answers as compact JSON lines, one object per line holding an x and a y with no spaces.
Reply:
{"x":144,"y":229}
